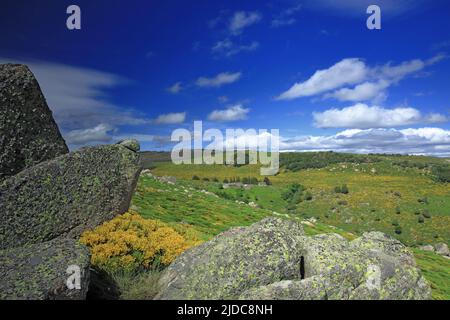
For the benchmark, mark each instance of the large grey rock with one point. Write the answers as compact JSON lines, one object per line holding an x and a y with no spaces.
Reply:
{"x":131,"y":144}
{"x":273,"y":259}
{"x":427,"y":247}
{"x":40,"y":271}
{"x":28,"y":133}
{"x":67,"y":195}
{"x":234,"y":261}
{"x":442,"y":249}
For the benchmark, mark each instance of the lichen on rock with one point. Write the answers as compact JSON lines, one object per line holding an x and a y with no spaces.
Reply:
{"x":273,"y":259}
{"x":65,"y":196}
{"x":28,"y":132}
{"x":40,"y":271}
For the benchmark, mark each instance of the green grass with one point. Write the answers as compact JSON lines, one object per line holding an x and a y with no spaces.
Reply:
{"x":139,"y":286}
{"x":182,"y":203}
{"x":436,"y":270}
{"x":376,"y":190}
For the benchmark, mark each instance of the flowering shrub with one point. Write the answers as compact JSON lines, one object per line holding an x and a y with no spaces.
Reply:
{"x":130,"y":242}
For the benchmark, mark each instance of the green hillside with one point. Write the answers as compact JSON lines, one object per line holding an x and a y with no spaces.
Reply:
{"x":401,"y":196}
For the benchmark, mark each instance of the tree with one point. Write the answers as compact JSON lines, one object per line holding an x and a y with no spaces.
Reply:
{"x":195,"y":178}
{"x":344,"y":189}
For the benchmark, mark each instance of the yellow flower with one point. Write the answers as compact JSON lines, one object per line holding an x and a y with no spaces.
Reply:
{"x":131,"y":242}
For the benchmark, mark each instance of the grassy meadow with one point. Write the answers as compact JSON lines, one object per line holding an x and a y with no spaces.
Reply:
{"x":396,"y":195}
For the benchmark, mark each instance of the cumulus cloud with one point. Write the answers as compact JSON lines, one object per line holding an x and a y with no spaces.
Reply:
{"x":219,"y":80}
{"x":228,"y":48}
{"x":363,"y":116}
{"x":362,"y":92}
{"x":421,"y":141}
{"x":347,"y":71}
{"x":232,"y":113}
{"x":427,"y":141}
{"x":175,"y":88}
{"x":241,"y":20}
{"x":369,"y":83}
{"x":171,"y":118}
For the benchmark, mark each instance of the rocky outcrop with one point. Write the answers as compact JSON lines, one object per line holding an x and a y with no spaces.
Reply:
{"x":48,"y":196}
{"x":41,"y":271}
{"x":273,"y":259}
{"x":29,"y":135}
{"x":67,"y":195}
{"x":131,"y":144}
{"x":235,"y":260}
{"x":442,"y":249}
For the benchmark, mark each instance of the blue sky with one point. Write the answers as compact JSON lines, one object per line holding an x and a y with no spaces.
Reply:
{"x":309,"y":68}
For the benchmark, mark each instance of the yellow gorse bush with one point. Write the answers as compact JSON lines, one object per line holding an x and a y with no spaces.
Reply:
{"x":129,"y":242}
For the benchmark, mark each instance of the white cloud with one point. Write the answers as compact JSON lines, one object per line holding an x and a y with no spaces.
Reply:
{"x":285,"y":17}
{"x":241,"y":20}
{"x":436,"y":118}
{"x":370,"y":83}
{"x":219,"y":80}
{"x":175,"y":88}
{"x":423,"y":141}
{"x":362,"y":92}
{"x":79,"y":100}
{"x":347,"y":71}
{"x":78,"y":96}
{"x":232,"y":113}
{"x":363,"y":116}
{"x":430,"y":141}
{"x":358,"y":7}
{"x":96,"y":135}
{"x":228,"y":48}
{"x":171,"y":118}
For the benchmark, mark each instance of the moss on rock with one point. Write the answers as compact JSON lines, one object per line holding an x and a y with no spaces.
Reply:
{"x":65,"y":196}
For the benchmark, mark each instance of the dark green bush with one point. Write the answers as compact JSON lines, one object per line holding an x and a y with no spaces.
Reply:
{"x":441,"y":173}
{"x":308,"y":196}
